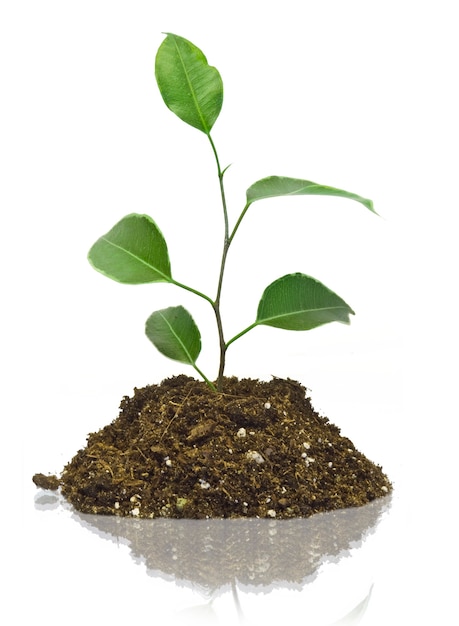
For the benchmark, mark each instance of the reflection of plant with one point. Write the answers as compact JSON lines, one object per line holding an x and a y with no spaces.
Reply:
{"x":134,"y":251}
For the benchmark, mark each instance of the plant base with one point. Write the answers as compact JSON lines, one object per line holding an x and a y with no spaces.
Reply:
{"x":258,"y":449}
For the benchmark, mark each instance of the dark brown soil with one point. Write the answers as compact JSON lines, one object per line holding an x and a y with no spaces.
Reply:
{"x":258,"y":449}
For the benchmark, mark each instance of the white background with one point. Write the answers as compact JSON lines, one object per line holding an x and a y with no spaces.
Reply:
{"x":356,"y":95}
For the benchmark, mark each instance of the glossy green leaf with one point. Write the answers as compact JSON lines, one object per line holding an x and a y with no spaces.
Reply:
{"x":299,"y":302}
{"x":190,"y":87}
{"x":275,"y":186}
{"x":134,"y":251}
{"x":175,"y":334}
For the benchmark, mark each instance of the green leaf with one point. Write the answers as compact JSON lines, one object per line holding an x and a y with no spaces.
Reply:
{"x":134,"y":251}
{"x":275,"y":186}
{"x":299,"y":302}
{"x":175,"y":334}
{"x":190,"y":87}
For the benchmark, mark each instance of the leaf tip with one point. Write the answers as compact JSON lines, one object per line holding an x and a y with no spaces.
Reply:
{"x":369,"y":204}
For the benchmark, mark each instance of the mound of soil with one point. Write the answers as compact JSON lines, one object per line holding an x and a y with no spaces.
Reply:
{"x":180,"y":450}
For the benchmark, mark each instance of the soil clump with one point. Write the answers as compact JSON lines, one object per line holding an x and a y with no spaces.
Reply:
{"x":180,"y":450}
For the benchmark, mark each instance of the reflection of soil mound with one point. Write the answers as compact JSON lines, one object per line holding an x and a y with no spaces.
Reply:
{"x":256,"y":553}
{"x":257,"y":450}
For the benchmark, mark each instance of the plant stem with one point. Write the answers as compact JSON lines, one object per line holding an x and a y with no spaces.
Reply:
{"x":243,"y":332}
{"x":226,"y":244}
{"x":187,"y":288}
{"x":206,"y":380}
{"x":244,"y":211}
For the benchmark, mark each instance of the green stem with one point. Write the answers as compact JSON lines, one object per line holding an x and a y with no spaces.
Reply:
{"x":244,"y":211}
{"x":187,"y":288}
{"x":207,"y":381}
{"x":222,"y":188}
{"x":243,"y":332}
{"x":216,"y":303}
{"x":226,"y":244}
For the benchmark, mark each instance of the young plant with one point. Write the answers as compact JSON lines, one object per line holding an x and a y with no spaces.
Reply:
{"x":134,"y":251}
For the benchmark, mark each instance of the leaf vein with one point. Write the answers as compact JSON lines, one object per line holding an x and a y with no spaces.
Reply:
{"x":177,"y":337}
{"x":192,"y":90}
{"x":138,"y":258}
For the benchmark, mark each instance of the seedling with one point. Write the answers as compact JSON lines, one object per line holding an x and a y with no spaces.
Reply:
{"x":134,"y":251}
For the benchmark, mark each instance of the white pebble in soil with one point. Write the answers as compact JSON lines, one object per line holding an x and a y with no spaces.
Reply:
{"x":307,"y":459}
{"x":253,"y":455}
